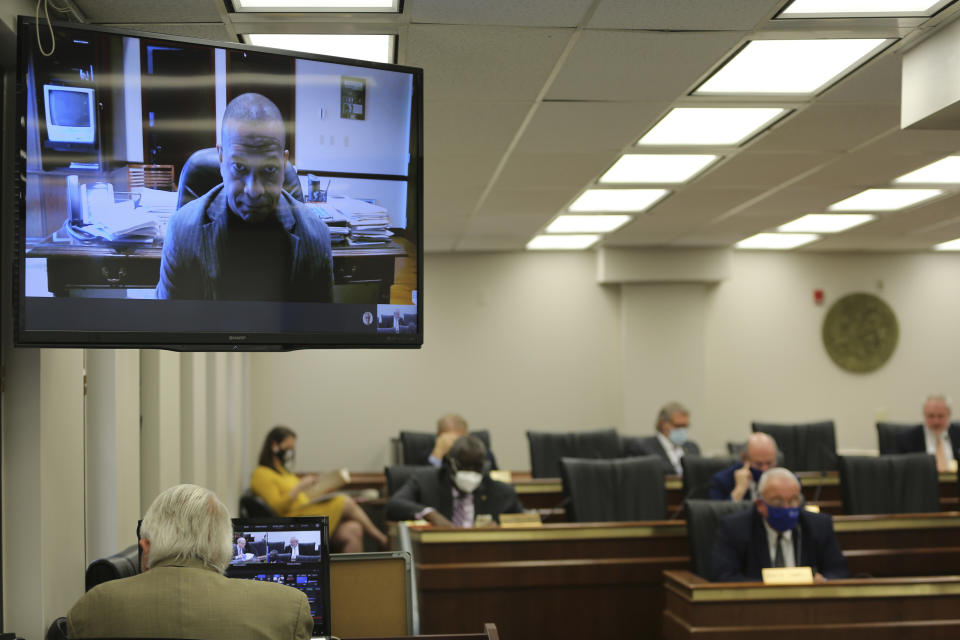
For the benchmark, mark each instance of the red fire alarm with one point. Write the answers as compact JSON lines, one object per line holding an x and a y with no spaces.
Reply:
{"x":818,"y":296}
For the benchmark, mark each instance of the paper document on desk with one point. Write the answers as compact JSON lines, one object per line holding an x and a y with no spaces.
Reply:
{"x":122,"y":222}
{"x":327,"y":481}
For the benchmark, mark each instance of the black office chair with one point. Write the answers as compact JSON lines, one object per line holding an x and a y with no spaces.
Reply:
{"x":124,"y":564}
{"x":253,"y":506}
{"x":702,"y":517}
{"x":416,"y":446}
{"x":889,"y":432}
{"x":546,"y":449}
{"x":201,"y":173}
{"x":896,"y":483}
{"x":805,"y":447}
{"x":615,"y":490}
{"x":398,"y":474}
{"x":736,"y":448}
{"x":697,"y":472}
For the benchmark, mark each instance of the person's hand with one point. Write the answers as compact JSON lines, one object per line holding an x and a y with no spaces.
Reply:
{"x":305,"y":482}
{"x":443,"y":443}
{"x":818,"y":577}
{"x":437,"y":519}
{"x":742,"y":479}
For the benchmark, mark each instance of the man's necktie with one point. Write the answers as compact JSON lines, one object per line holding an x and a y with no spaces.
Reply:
{"x":941,"y":455}
{"x":778,"y":556}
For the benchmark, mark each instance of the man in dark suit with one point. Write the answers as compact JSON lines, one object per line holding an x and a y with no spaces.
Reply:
{"x":739,"y":482}
{"x":777,"y":532}
{"x":936,"y":436}
{"x":671,"y":441}
{"x":456,"y":493}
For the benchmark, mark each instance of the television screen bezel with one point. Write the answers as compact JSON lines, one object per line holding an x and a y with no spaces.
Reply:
{"x":205,"y":341}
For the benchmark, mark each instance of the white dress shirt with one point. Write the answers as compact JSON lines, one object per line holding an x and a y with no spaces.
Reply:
{"x":674,"y":452}
{"x":789,"y":559}
{"x":931,"y":441}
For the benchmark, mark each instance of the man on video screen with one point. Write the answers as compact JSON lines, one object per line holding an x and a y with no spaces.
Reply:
{"x":247,"y":238}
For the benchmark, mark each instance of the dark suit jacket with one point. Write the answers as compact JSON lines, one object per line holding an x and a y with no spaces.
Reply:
{"x":192,"y":251}
{"x":740,"y":548}
{"x":435,"y":490}
{"x":914,"y":441}
{"x":651,"y":446}
{"x":722,"y":483}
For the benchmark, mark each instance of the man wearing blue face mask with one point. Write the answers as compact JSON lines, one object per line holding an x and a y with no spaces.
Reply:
{"x":671,"y":442}
{"x":455,"y":493}
{"x":777,"y":532}
{"x":739,"y":482}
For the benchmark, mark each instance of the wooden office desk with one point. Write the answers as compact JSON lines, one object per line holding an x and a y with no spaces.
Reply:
{"x":75,"y":264}
{"x":606,"y":580}
{"x":874,"y":609}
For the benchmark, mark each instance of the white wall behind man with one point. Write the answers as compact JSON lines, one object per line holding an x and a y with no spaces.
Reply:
{"x":513,"y":342}
{"x":530,"y":341}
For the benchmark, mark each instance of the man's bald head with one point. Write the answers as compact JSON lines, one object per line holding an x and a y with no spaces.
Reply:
{"x":256,"y":117}
{"x":761,"y":451}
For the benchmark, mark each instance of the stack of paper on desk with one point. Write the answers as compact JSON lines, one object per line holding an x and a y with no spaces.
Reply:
{"x":122,"y":222}
{"x":368,"y":222}
{"x":336,"y":222}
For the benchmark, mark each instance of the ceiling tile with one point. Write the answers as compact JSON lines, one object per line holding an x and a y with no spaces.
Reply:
{"x":701,"y":204}
{"x":835,"y":128}
{"x":544,"y":13}
{"x":551,"y":170}
{"x":683,"y":15}
{"x":639,"y":65}
{"x":761,"y":170}
{"x":454,"y":172}
{"x":492,"y":243}
{"x":469,"y":127}
{"x":125,"y":11}
{"x":216,"y":32}
{"x":471,"y":63}
{"x":537,"y":202}
{"x":877,"y":82}
{"x":584,"y":127}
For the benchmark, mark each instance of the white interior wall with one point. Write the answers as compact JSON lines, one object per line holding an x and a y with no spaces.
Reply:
{"x":530,"y":341}
{"x":513,"y":342}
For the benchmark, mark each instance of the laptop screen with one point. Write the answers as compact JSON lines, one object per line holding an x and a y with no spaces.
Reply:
{"x":290,"y":551}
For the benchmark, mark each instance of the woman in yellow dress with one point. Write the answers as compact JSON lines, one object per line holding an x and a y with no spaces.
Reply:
{"x":283,"y":491}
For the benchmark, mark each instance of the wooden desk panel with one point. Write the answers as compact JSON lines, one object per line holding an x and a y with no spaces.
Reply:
{"x":842,"y":609}
{"x":545,"y":581}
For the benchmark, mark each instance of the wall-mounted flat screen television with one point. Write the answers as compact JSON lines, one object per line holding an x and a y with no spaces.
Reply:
{"x":187,"y":194}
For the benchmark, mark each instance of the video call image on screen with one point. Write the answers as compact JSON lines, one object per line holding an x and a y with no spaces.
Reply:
{"x":292,"y":552}
{"x":191,"y":189}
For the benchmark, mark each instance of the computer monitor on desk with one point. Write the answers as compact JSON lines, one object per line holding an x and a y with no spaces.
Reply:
{"x":290,"y":551}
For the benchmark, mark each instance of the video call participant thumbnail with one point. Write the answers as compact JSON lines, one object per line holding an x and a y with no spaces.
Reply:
{"x":247,"y":239}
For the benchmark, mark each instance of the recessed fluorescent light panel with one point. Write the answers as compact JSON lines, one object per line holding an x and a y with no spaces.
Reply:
{"x":627,"y":200}
{"x":639,"y":168}
{"x":710,"y":125}
{"x":372,"y":47}
{"x":560,"y":242}
{"x":884,"y":199}
{"x":946,"y":171}
{"x":861,"y":8}
{"x":789,"y":67}
{"x":952,"y":245}
{"x":588,"y":224}
{"x":339,"y":6}
{"x":777,"y":241}
{"x":826,"y":222}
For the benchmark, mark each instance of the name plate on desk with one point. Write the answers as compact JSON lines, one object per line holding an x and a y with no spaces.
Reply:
{"x":787,"y":575}
{"x":501,"y":475}
{"x":520,"y":520}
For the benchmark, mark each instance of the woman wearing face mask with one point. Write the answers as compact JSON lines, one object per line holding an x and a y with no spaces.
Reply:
{"x":283,"y":490}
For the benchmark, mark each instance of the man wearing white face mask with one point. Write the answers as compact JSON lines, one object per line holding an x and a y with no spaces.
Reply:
{"x":671,"y":441}
{"x":454,"y":494}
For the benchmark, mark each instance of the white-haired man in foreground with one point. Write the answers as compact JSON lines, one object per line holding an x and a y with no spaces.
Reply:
{"x":186,"y":538}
